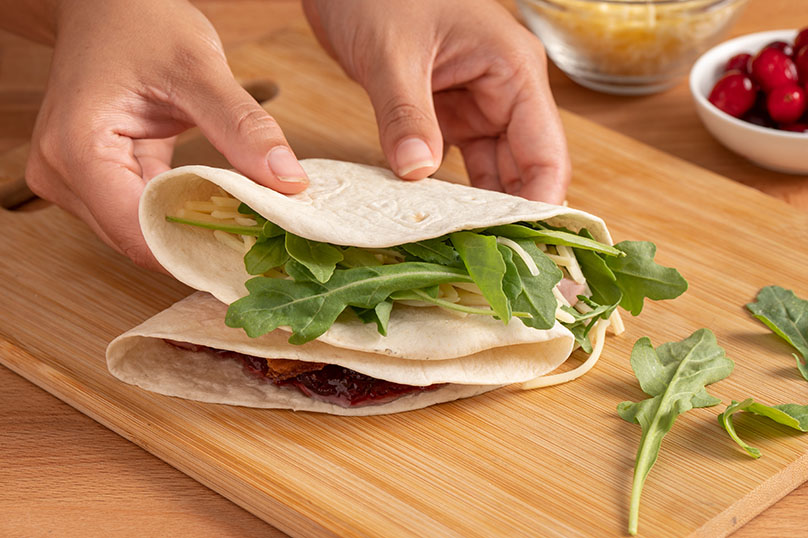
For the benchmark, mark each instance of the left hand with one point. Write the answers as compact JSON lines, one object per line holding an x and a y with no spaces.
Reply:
{"x":463,"y":71}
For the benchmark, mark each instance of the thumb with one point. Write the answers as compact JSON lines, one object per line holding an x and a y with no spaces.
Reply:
{"x":401,"y":95}
{"x":244,"y":132}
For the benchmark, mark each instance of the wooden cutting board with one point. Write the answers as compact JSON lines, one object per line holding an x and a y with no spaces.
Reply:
{"x":551,"y":462}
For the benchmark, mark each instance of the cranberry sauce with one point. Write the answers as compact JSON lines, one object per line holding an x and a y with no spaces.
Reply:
{"x":333,"y":384}
{"x":346,"y":388}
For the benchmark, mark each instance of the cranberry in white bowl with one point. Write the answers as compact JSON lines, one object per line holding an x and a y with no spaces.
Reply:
{"x":749,"y":129}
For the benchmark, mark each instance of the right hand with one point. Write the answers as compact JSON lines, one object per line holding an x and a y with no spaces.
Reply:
{"x":126,"y":78}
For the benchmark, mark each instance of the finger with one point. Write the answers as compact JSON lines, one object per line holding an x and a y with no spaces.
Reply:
{"x":539,"y":148}
{"x":460,"y":118}
{"x":480,"y":156}
{"x":401,"y":94}
{"x":509,"y":174}
{"x":243,"y":131}
{"x":46,"y":184}
{"x":154,"y":155}
{"x":109,"y":187}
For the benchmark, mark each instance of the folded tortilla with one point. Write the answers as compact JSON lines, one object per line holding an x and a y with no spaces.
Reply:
{"x":143,"y":358}
{"x":350,"y":205}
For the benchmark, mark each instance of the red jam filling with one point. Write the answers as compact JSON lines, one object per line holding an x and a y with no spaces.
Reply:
{"x":332,"y":384}
{"x":346,"y":388}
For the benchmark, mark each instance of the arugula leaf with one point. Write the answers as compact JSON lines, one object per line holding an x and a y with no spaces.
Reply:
{"x":787,"y":315}
{"x":434,"y":251}
{"x":310,"y":308}
{"x":552,"y":237}
{"x":584,"y":322}
{"x":638,"y":276}
{"x":791,"y":415}
{"x":511,"y":281}
{"x":319,"y":258}
{"x":358,"y":257}
{"x":268,"y":229}
{"x":244,"y":209}
{"x":674,"y":375}
{"x":380,"y":315}
{"x":537,"y":296}
{"x":240,"y":230}
{"x":484,"y":263}
{"x":264,"y":255}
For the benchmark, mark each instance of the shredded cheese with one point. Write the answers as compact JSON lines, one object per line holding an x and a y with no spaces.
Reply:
{"x":564,"y":317}
{"x":513,"y":245}
{"x":249,"y":241}
{"x":559,"y":296}
{"x":572,"y":264}
{"x":616,"y":323}
{"x":204,"y":207}
{"x":246,"y":221}
{"x":219,"y":214}
{"x":225,"y":202}
{"x":229,"y":240}
{"x":557,"y":379}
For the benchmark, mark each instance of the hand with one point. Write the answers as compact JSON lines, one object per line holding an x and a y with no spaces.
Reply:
{"x":463,"y":71}
{"x":123,"y":83}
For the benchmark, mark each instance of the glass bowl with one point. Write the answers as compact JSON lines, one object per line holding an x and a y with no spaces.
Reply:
{"x":628,"y":47}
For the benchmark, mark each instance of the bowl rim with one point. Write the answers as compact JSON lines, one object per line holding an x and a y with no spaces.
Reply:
{"x":728,"y":45}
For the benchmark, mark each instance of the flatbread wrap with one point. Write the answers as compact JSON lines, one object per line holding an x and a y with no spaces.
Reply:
{"x":426,"y":284}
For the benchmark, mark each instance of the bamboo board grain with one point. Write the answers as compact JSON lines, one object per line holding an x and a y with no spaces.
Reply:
{"x":555,"y":462}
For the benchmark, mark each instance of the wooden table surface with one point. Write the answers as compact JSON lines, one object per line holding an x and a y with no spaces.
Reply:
{"x":63,"y":474}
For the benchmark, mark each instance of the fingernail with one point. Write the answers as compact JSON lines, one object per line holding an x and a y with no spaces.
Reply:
{"x":285,"y":166}
{"x":413,"y":154}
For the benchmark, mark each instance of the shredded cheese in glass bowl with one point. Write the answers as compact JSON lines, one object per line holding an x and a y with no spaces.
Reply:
{"x":628,"y":47}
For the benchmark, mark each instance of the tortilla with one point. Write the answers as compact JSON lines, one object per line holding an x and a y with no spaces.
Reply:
{"x":345,"y":204}
{"x":141,"y":357}
{"x":350,"y":205}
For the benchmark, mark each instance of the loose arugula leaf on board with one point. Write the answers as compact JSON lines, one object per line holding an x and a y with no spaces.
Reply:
{"x":791,"y":415}
{"x":674,"y":375}
{"x":552,"y":237}
{"x":434,"y":251}
{"x":484,"y":263}
{"x":264,"y":255}
{"x":787,"y":315}
{"x":537,"y":297}
{"x":638,"y":276}
{"x":319,"y":258}
{"x":310,"y":307}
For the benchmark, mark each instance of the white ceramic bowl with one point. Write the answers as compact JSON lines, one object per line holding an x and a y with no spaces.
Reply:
{"x":782,"y":151}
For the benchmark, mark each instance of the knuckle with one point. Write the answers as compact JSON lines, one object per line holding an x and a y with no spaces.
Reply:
{"x":136,"y":251}
{"x":398,"y":115}
{"x":252,"y":120}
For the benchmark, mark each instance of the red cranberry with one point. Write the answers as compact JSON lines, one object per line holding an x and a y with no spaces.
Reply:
{"x":782,"y":46}
{"x":772,"y":68}
{"x":734,"y":93}
{"x":801,"y":40}
{"x":739,"y":62}
{"x":801,"y":61}
{"x":786,"y":103}
{"x":798,"y":127}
